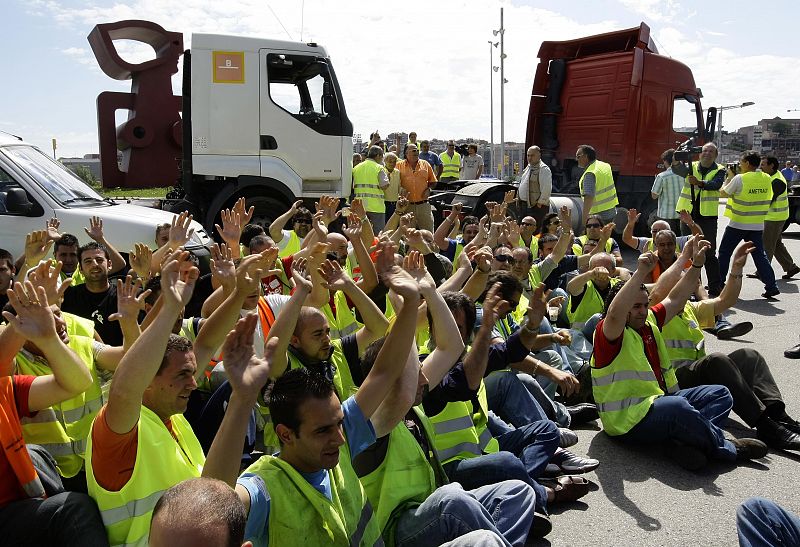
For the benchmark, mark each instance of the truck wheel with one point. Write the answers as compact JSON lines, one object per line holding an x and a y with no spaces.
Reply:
{"x":267,"y":209}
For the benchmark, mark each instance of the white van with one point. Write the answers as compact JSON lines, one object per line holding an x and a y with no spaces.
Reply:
{"x":35,"y":188}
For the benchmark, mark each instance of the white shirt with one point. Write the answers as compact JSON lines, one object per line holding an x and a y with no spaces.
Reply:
{"x":545,"y":184}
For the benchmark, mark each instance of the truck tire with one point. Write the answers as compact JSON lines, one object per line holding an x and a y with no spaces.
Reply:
{"x":267,"y":209}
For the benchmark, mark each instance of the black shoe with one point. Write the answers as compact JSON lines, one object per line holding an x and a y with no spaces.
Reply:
{"x":582,"y":413}
{"x":789,"y":423}
{"x":771,"y":293}
{"x":540,"y":527}
{"x":688,"y":457}
{"x":793,"y":352}
{"x":777,"y":436}
{"x":793,"y":271}
{"x":734,"y":331}
{"x":749,"y":449}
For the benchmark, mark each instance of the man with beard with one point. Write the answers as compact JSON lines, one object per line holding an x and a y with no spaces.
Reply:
{"x":288,"y":241}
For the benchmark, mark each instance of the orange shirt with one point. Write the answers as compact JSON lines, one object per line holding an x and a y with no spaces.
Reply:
{"x":416,"y":181}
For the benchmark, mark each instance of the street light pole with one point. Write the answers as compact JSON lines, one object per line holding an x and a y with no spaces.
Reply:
{"x":719,"y":118}
{"x":491,"y":103}
{"x":502,"y":100}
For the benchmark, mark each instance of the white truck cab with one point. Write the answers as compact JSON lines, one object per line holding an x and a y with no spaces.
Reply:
{"x":35,"y":188}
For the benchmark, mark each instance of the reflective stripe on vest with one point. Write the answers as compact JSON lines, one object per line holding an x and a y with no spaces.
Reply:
{"x":451,"y":167}
{"x":709,"y":199}
{"x":366,"y":186}
{"x":748,"y":209}
{"x":605,"y":192}
{"x":625,"y":389}
{"x":163,"y":460}
{"x":779,"y":209}
{"x":683,"y":338}
{"x":63,"y":428}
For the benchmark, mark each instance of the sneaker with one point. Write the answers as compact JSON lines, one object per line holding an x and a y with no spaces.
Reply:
{"x":688,"y":457}
{"x":726,"y":332}
{"x":569,"y":462}
{"x":749,"y":449}
{"x":771,"y":293}
{"x":567,"y":437}
{"x":793,"y":271}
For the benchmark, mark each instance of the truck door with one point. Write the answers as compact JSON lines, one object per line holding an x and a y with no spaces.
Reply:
{"x":301,"y":121}
{"x":20,"y":212}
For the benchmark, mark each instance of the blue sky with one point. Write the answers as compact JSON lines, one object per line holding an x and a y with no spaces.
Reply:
{"x":423,"y":67}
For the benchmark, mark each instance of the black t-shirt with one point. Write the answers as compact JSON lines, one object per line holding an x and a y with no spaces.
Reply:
{"x":80,"y":301}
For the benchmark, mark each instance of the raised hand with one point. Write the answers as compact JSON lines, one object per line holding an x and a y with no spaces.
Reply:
{"x":51,"y":227}
{"x":415,"y":240}
{"x":354,"y":227}
{"x":318,"y":254}
{"x":565,"y":215}
{"x":646,"y":262}
{"x":231,"y":229}
{"x":397,"y":279}
{"x":456,"y":209}
{"x":95,"y":229}
{"x":252,"y":268}
{"x":328,"y":205}
{"x":699,"y":257}
{"x":333,"y":276}
{"x":180,"y":231}
{"x":509,"y":197}
{"x":357,"y":208}
{"x":140,"y":259}
{"x":300,"y":275}
{"x":34,"y":319}
{"x":483,"y":259}
{"x":407,"y":221}
{"x":607,"y":230}
{"x":48,"y":277}
{"x":740,"y":254}
{"x":493,"y":306}
{"x":537,"y":306}
{"x":600,"y":275}
{"x":130,"y":301}
{"x":223,"y":267}
{"x":37,"y":244}
{"x":633,"y":216}
{"x":246,"y":373}
{"x":402,"y":204}
{"x":176,"y":291}
{"x":319,"y":226}
{"x":245,"y":215}
{"x":513,"y":232}
{"x":414,"y":264}
{"x":686,"y":217}
{"x":498,"y":213}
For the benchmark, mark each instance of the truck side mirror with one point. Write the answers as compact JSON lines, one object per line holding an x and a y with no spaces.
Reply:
{"x":17,"y":201}
{"x":328,"y":104}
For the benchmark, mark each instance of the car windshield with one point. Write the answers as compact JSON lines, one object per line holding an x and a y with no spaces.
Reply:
{"x":57,"y":180}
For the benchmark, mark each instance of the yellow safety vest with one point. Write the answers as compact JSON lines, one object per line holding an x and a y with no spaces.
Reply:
{"x":292,"y":246}
{"x":162,"y":461}
{"x":683,"y":338}
{"x":303,"y":516}
{"x":77,"y":325}
{"x":577,"y":248}
{"x":605,"y":193}
{"x":590,"y":304}
{"x":625,"y":389}
{"x":344,"y":322}
{"x":366,"y":186}
{"x":779,"y":209}
{"x":62,"y":429}
{"x":451,"y":167}
{"x":534,"y":246}
{"x":748,"y":209}
{"x":709,"y":199}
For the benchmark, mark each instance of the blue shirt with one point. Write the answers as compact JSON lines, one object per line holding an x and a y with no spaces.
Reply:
{"x":431,"y":158}
{"x":450,"y":252}
{"x":360,"y":435}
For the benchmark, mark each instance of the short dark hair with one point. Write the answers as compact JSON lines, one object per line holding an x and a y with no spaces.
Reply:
{"x":469,"y":219}
{"x":547,"y":238}
{"x":612,"y":292}
{"x":92,"y":246}
{"x":752,"y":157}
{"x":249,"y":232}
{"x":472,"y":146}
{"x":259,"y":240}
{"x":546,"y":222}
{"x":667,"y":156}
{"x":370,"y":355}
{"x":597,"y":218}
{"x":209,"y":501}
{"x":509,"y":285}
{"x":590,"y":152}
{"x":456,"y":301}
{"x":175,"y":343}
{"x":772,"y":161}
{"x":5,"y":255}
{"x":161,"y":227}
{"x":154,"y":286}
{"x":66,"y":240}
{"x":374,"y":152}
{"x":291,"y":390}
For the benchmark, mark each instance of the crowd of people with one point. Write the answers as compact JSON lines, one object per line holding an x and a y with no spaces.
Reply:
{"x":359,"y":376}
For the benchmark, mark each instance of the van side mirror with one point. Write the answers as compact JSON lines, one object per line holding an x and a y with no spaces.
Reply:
{"x":17,"y":201}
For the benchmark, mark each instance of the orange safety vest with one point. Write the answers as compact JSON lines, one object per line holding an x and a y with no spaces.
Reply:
{"x":13,"y":444}
{"x":267,"y":318}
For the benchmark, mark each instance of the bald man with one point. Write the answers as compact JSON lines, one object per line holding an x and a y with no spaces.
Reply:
{"x":535,"y":186}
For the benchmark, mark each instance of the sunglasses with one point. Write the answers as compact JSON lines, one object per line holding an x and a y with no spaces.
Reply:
{"x":504,"y":258}
{"x":334,"y":257}
{"x":528,"y":224}
{"x":594,"y":225}
{"x":554,"y":222}
{"x":302,"y":222}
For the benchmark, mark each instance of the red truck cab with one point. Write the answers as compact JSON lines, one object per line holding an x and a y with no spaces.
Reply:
{"x":616,"y":93}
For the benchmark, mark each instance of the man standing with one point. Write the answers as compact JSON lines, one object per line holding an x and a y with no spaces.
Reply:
{"x":451,"y":163}
{"x":787,"y":172}
{"x":430,"y":157}
{"x":749,"y":197}
{"x":417,"y":178}
{"x":700,"y":198}
{"x":472,"y":165}
{"x":667,"y":189}
{"x":535,"y":186}
{"x":596,"y":185}
{"x":369,"y":180}
{"x":776,"y":218}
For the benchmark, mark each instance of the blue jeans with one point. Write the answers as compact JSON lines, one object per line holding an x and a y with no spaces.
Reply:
{"x":761,"y":522}
{"x":553,"y":410}
{"x":505,"y":508}
{"x":509,"y":399}
{"x":731,"y":238}
{"x":691,"y":417}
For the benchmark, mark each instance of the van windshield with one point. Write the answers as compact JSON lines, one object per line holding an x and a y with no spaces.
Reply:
{"x":53,"y":177}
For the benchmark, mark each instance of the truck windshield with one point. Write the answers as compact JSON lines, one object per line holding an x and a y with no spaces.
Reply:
{"x":53,"y":177}
{"x":685,"y":120}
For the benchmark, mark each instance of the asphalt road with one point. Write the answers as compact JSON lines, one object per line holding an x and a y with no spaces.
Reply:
{"x":643,"y":498}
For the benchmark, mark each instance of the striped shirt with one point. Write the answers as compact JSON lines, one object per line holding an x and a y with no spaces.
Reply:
{"x":668,"y":187}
